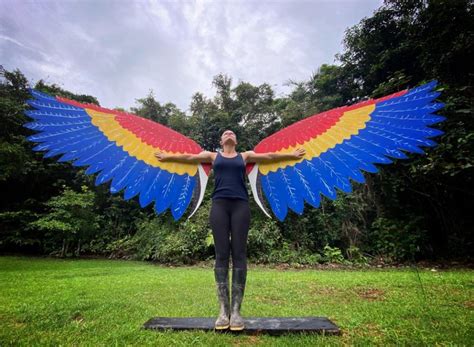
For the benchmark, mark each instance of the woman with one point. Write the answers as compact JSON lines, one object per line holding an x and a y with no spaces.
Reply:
{"x":230,"y":217}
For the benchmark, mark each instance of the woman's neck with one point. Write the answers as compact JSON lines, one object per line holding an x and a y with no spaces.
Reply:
{"x":228,"y":149}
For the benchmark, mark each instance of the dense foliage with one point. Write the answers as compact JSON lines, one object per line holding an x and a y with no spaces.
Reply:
{"x":420,"y":207}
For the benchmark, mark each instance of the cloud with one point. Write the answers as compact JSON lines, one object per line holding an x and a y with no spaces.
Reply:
{"x":6,"y":38}
{"x":118,"y":51}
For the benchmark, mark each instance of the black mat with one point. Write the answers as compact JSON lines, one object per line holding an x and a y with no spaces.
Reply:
{"x":267,"y":325}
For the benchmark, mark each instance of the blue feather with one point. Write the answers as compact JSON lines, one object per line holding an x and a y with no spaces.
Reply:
{"x":320,"y":186}
{"x":115,"y":169}
{"x":307,"y":184}
{"x":392,"y":139}
{"x":54,"y":126}
{"x":64,"y":139}
{"x":352,"y":165}
{"x":106,"y":159}
{"x":370,"y":151}
{"x":136,"y":182}
{"x":43,"y":116}
{"x":383,"y":145}
{"x":56,"y":107}
{"x":168,"y":192}
{"x":421,"y":115}
{"x":148,"y":195}
{"x":415,"y":136}
{"x":120,"y":182}
{"x":274,"y":196}
{"x":40,"y":95}
{"x":330,"y":172}
{"x":292,"y":189}
{"x":86,"y":154}
{"x":83,"y":130}
{"x":340,"y":171}
{"x":109,"y":156}
{"x":324,"y":181}
{"x":183,"y":198}
{"x":75,"y":143}
{"x":90,"y":147}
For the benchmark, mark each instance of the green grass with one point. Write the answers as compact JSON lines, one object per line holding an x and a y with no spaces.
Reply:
{"x":105,"y":302}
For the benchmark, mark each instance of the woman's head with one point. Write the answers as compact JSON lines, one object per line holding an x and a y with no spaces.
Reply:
{"x":228,"y":137}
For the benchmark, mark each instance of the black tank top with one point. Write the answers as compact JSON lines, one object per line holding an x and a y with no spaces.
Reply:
{"x":229,"y":178}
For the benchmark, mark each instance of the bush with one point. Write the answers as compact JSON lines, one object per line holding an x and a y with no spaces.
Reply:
{"x":356,"y":256}
{"x":333,"y":255}
{"x":161,"y":239}
{"x":288,"y":254}
{"x":394,"y":240}
{"x":264,"y":236}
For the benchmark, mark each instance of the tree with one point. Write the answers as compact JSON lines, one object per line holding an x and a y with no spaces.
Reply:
{"x":404,"y":44}
{"x":70,"y":218}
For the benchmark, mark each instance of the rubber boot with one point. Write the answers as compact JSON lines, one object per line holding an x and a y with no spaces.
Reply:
{"x":221,"y":275}
{"x":239,"y":277}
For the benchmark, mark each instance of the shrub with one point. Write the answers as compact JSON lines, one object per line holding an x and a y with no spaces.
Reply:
{"x":395,"y":240}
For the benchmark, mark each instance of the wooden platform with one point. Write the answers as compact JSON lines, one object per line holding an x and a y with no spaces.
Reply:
{"x":253,"y":326}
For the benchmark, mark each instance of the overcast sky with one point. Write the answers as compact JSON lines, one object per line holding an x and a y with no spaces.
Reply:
{"x":118,"y":50}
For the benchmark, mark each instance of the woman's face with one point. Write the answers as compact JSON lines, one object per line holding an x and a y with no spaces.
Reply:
{"x":228,"y":137}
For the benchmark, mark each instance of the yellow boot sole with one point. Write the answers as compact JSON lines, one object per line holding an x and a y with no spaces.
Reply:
{"x":221,"y":327}
{"x":237,"y":328}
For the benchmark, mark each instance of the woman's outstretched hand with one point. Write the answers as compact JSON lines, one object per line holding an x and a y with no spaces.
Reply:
{"x":299,"y":153}
{"x":161,"y":156}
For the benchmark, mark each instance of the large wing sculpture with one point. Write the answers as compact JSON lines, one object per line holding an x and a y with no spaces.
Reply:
{"x":339,"y":144}
{"x":120,"y":147}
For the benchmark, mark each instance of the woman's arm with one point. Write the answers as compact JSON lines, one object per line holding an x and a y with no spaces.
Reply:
{"x":203,"y":157}
{"x":252,"y":157}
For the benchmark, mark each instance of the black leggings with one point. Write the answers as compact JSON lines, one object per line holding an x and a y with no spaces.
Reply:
{"x":230,"y":217}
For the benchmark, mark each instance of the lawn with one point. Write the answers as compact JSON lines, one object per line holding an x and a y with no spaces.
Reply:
{"x":105,"y":302}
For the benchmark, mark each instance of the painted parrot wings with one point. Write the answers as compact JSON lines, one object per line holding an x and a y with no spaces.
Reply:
{"x":339,"y":144}
{"x":120,"y":147}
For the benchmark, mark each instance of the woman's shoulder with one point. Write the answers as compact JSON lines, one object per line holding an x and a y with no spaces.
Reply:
{"x":213,"y":156}
{"x":246,"y":154}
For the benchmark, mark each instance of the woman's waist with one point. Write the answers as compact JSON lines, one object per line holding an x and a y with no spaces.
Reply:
{"x":230,"y":201}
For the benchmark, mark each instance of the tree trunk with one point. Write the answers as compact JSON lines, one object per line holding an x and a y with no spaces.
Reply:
{"x":78,"y":251}
{"x":379,"y":208}
{"x":63,"y":248}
